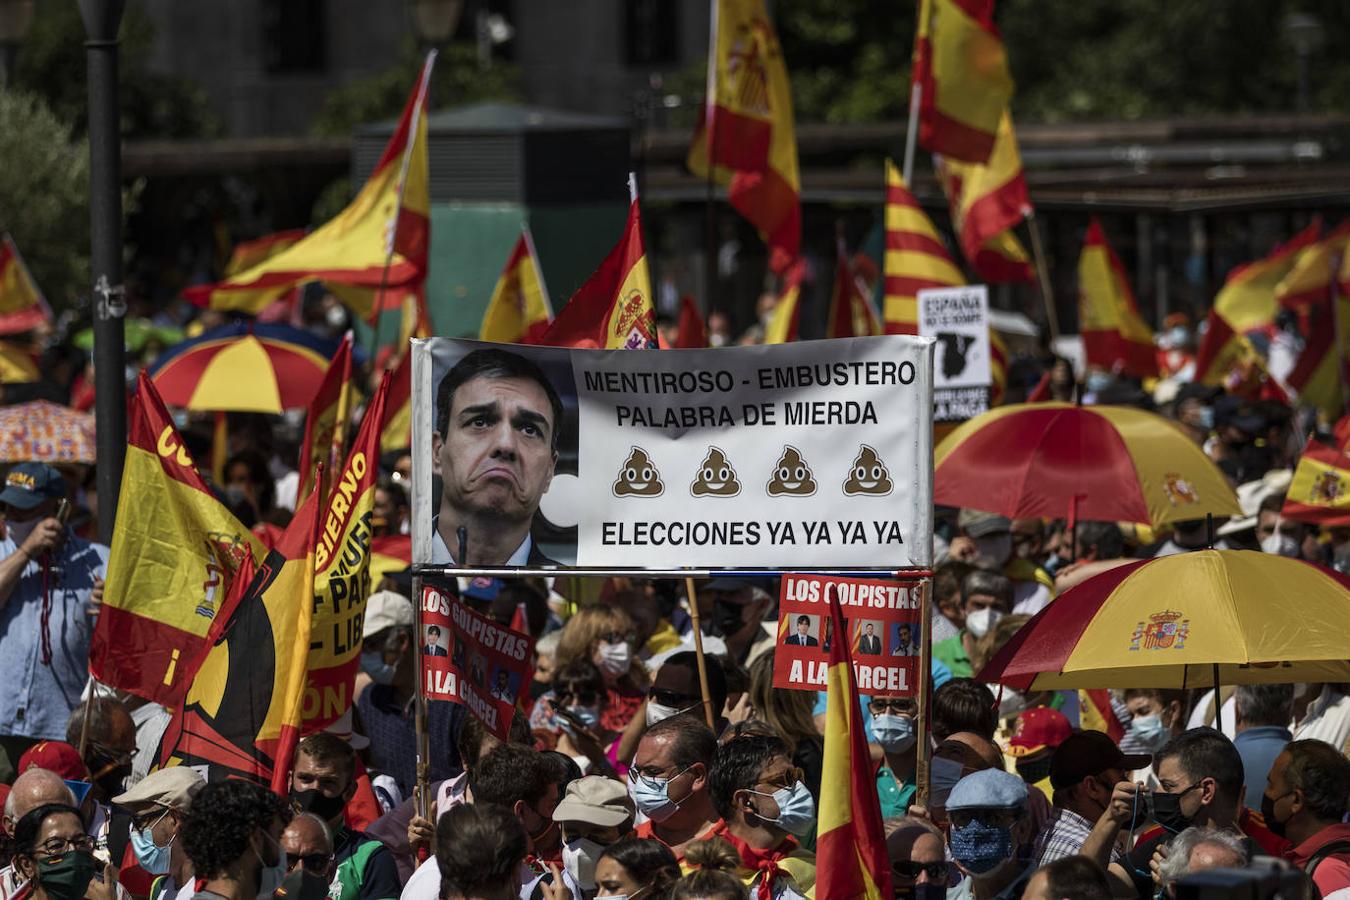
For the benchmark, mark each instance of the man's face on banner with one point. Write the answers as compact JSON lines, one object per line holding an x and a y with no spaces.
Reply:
{"x":497,"y":455}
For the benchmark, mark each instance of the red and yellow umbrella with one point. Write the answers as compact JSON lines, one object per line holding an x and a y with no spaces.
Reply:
{"x":1116,"y":463}
{"x":244,"y":367}
{"x":1174,"y":621}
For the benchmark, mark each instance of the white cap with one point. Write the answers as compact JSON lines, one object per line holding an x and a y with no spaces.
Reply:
{"x":386,"y":609}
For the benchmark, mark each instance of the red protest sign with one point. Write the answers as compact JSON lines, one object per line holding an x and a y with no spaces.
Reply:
{"x":470,"y":659}
{"x":882,"y":618}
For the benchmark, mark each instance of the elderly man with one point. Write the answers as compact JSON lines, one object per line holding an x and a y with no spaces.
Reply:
{"x":1198,"y":849}
{"x":919,"y":866}
{"x":1306,"y":796}
{"x":989,"y":823}
{"x":308,"y":842}
{"x":160,"y":804}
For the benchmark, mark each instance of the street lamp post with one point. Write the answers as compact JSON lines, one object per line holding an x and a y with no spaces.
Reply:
{"x":1304,"y":31}
{"x":101,"y":21}
{"x":15,"y":18}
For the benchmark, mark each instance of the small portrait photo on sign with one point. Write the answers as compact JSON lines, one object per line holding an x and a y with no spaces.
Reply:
{"x":477,"y":670}
{"x":434,"y":642}
{"x":457,"y":660}
{"x":904,"y":642}
{"x":803,"y":631}
{"x":871,"y":633}
{"x":503,"y":685}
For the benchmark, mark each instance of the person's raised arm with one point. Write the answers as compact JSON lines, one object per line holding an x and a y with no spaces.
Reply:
{"x":43,"y":539}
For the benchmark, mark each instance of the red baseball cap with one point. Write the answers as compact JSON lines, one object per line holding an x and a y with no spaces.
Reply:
{"x":57,"y":756}
{"x":1039,"y":728}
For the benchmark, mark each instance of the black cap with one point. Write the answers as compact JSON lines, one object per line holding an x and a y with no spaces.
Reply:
{"x":1087,"y":753}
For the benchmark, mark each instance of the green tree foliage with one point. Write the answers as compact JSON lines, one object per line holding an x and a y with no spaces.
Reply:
{"x":44,"y":184}
{"x":456,"y":80}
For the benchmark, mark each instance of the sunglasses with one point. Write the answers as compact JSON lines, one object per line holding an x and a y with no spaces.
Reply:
{"x":937,"y":871}
{"x":900,"y":706}
{"x":313,"y":863}
{"x":671,"y":698}
{"x":786,"y":780}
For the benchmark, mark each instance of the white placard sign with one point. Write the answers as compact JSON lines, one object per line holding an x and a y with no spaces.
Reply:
{"x":816,"y":454}
{"x":958,"y":319}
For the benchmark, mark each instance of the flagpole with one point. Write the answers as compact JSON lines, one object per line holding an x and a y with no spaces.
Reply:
{"x":1043,"y":275}
{"x":421,"y":805}
{"x":411,"y":140}
{"x":710,"y":188}
{"x":912,"y":132}
{"x":708,"y":711}
{"x":923,"y":745}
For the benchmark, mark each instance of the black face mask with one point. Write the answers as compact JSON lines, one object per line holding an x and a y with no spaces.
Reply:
{"x":108,"y":775}
{"x":1167,"y":810}
{"x":728,"y":618}
{"x":1268,"y":813}
{"x":1035,"y":770}
{"x":320,"y":804}
{"x":538,"y":689}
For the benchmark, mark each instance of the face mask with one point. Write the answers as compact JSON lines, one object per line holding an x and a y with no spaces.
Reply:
{"x":895,"y":734}
{"x":109,"y":780}
{"x":151,"y":857}
{"x":655,"y":802}
{"x":373,"y":664}
{"x":320,"y":804}
{"x":927,"y":891}
{"x":992,"y":552}
{"x":1268,"y":813}
{"x":659,"y":712}
{"x":728,"y":618}
{"x":1034,"y":771}
{"x":1167,"y":810}
{"x":981,"y":848}
{"x":579,"y":859}
{"x":67,"y":877}
{"x":271,"y":877}
{"x":589,"y":717}
{"x":980,"y":621}
{"x":538,"y":689}
{"x":1098,"y":381}
{"x":1278,"y":544}
{"x":1149,"y":731}
{"x":1178,"y":336}
{"x":796,"y":809}
{"x":615,"y":658}
{"x":1206,"y":417}
{"x":19,"y":531}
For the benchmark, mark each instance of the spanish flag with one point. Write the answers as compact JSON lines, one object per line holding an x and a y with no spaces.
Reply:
{"x":326,"y":421}
{"x":851,"y":858}
{"x":18,"y":364}
{"x":247,"y":254}
{"x":22,"y":306}
{"x":1320,"y":491}
{"x":387,"y":223}
{"x":613,"y":309}
{"x":692,"y":331}
{"x":987,"y":201}
{"x":397,"y":431}
{"x":1247,"y":299}
{"x":1228,"y":359}
{"x":785,"y":324}
{"x":519,"y":308}
{"x":962,"y":70}
{"x":1318,"y":377}
{"x":851,"y":315}
{"x":998,"y":368}
{"x":746,"y":127}
{"x":241,"y":715}
{"x":176,"y":550}
{"x":1115,"y":337}
{"x":915,"y":257}
{"x":1310,"y":279}
{"x":388,"y":554}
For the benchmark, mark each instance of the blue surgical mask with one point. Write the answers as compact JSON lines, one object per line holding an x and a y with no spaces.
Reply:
{"x":981,"y":848}
{"x":1149,"y":731}
{"x":652,"y":796}
{"x":796,"y":809}
{"x":895,"y":734}
{"x":373,"y":664}
{"x":151,"y":857}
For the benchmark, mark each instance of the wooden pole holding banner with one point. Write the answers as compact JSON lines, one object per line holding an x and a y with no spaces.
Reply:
{"x":1043,"y":275}
{"x":912,"y":134}
{"x":422,"y":788}
{"x":709,"y":713}
{"x":923,"y":746}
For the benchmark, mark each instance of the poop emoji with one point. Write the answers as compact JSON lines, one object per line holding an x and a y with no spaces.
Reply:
{"x":791,"y":475}
{"x":638,"y":477}
{"x":716,"y":477}
{"x":868,"y":475}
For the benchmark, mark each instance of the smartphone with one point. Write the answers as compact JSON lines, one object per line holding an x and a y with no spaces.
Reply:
{"x":568,"y":716}
{"x":63,"y":511}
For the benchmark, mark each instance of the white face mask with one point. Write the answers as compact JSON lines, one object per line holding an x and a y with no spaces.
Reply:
{"x":980,"y":621}
{"x":1278,"y":544}
{"x":579,"y":859}
{"x":659,"y":712}
{"x":615,"y":659}
{"x":992,"y":552}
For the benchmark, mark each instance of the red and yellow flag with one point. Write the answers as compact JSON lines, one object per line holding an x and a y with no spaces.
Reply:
{"x":784,"y":325}
{"x":519,"y":308}
{"x":342,"y":572}
{"x":1247,"y":299}
{"x":388,"y":554}
{"x":1228,"y":359}
{"x":175,"y":552}
{"x":22,"y":306}
{"x":851,"y":858}
{"x":998,"y":368}
{"x":397,"y":431}
{"x":1318,"y":377}
{"x":915,"y":257}
{"x":987,"y":201}
{"x":327,"y":419}
{"x":962,"y":70}
{"x":1115,"y":336}
{"x":692,"y":331}
{"x":247,"y":254}
{"x":241,"y":715}
{"x":746,"y":127}
{"x":613,"y":309}
{"x":851,"y":315}
{"x":387,"y":222}
{"x":1314,"y":271}
{"x":1320,"y":491}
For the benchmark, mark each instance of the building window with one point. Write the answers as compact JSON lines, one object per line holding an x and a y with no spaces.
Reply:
{"x":293,"y":36}
{"x":651,"y":32}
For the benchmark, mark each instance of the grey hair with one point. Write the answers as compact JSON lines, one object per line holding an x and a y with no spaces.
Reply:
{"x":548,"y":644}
{"x":1179,"y":850}
{"x":1265,"y":704}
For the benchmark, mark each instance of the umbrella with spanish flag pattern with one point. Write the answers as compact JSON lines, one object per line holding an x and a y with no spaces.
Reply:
{"x":1104,"y":463}
{"x":244,"y":367}
{"x":1177,"y":621}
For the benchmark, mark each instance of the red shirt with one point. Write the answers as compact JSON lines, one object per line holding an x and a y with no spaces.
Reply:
{"x":1333,"y":872}
{"x":645,"y":831}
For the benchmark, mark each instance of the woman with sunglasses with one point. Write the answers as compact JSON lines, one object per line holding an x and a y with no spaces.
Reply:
{"x":635,"y":867}
{"x":56,"y":856}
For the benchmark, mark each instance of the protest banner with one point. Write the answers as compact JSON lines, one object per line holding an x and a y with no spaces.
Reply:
{"x":470,"y":659}
{"x":883,"y":620}
{"x":811,"y":454}
{"x":957,"y":319}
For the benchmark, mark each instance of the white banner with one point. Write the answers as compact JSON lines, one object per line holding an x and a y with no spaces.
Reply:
{"x":806,"y":455}
{"x":958,"y":319}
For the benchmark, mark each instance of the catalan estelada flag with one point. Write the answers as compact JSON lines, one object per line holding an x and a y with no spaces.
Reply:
{"x":613,"y":309}
{"x":391,"y":212}
{"x":175,"y":552}
{"x":987,"y":201}
{"x":851,"y":315}
{"x":241,"y":714}
{"x":1115,"y":336}
{"x":962,"y":71}
{"x":1247,"y":299}
{"x":1320,"y":491}
{"x":326,"y":420}
{"x":519,"y":308}
{"x":746,"y":127}
{"x":692,"y":331}
{"x":915,"y":257}
{"x":784,"y":326}
{"x":22,"y":306}
{"x":851,"y":858}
